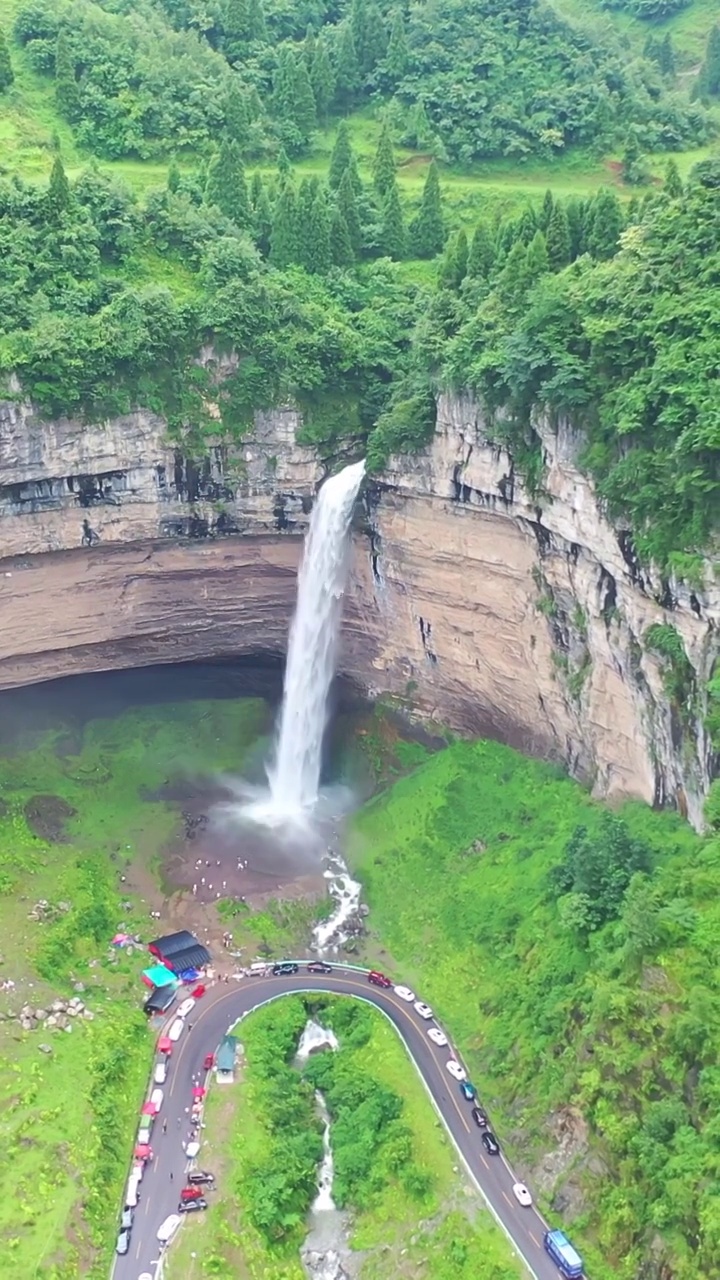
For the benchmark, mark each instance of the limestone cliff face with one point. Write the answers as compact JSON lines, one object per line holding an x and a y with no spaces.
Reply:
{"x":473,"y":602}
{"x":499,"y":611}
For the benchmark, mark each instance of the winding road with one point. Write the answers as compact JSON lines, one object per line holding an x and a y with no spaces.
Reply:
{"x":224,"y":1005}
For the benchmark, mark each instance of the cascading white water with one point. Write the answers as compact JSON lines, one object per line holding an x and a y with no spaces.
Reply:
{"x":295,"y":774}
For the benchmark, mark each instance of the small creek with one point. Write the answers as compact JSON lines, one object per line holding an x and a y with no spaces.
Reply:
{"x":325,"y":1254}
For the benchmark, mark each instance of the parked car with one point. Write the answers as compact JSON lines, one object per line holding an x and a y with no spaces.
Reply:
{"x":199,"y":1176}
{"x":455,"y":1069}
{"x":198,"y":991}
{"x":378,"y":979}
{"x":405,"y":994}
{"x":285,"y":966}
{"x":176,"y":1029}
{"x":191,"y":1193}
{"x":126,"y":1220}
{"x":468,"y":1091}
{"x":209,"y":1061}
{"x":167,"y":1229}
{"x":319,"y":966}
{"x":522,"y":1195}
{"x":192,"y":1149}
{"x":437,"y":1036}
{"x":160,"y":1072}
{"x":490,"y":1143}
{"x":156,"y":1097}
{"x":186,"y":1007}
{"x":192,"y":1206}
{"x":423,"y":1009}
{"x":479,"y":1117}
{"x":123,"y":1243}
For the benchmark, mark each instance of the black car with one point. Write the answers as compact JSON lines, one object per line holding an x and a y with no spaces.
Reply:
{"x":479,"y":1117}
{"x":192,"y":1206}
{"x":319,"y":966}
{"x":197,"y":1177}
{"x":490,"y":1143}
{"x":285,"y":966}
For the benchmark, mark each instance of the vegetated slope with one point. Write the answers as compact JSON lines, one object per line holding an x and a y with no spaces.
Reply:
{"x":573,"y":952}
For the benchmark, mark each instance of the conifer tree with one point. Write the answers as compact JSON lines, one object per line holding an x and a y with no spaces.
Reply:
{"x":397,"y":58}
{"x":355,"y":178}
{"x":453,"y":267}
{"x":262,"y":223}
{"x":514,"y":278}
{"x":305,"y":201}
{"x":709,"y":78}
{"x":243,"y":23}
{"x":359,"y":26}
{"x":347,"y":205}
{"x":558,"y":238}
{"x":376,"y":40}
{"x":304,"y":113}
{"x":427,"y":232}
{"x":309,"y":46}
{"x":284,"y":167}
{"x":283,"y":95}
{"x":226,"y":186}
{"x":237,"y":116}
{"x":666,"y":58}
{"x":256,"y":28}
{"x":603,"y":224}
{"x":347,"y":72}
{"x":673,"y":182}
{"x":384,"y":164}
{"x":256,"y":189}
{"x":543,"y":221}
{"x":341,"y":250}
{"x":67,"y":93}
{"x":482,"y":253}
{"x":173,"y":178}
{"x":537,"y":256}
{"x":393,"y":239}
{"x":528,"y":224}
{"x":462,"y":256}
{"x":322,"y":79}
{"x":318,"y":255}
{"x":574,"y":211}
{"x":632,"y":212}
{"x":341,"y":156}
{"x":7,"y":74}
{"x":284,"y":234}
{"x":633,"y":166}
{"x":58,"y":194}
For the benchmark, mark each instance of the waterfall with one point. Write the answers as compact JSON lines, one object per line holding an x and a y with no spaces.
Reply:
{"x":294,"y":776}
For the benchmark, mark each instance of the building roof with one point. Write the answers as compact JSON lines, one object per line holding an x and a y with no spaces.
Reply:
{"x":159,"y":1000}
{"x":158,"y":975}
{"x":192,"y":957}
{"x":225,"y":1060}
{"x":171,"y":943}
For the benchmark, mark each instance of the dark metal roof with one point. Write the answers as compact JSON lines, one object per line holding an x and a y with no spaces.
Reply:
{"x":225,"y":1060}
{"x":160,"y":999}
{"x":193,"y":957}
{"x":171,"y":943}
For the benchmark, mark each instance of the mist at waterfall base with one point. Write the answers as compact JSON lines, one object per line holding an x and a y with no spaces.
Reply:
{"x":292,"y":816}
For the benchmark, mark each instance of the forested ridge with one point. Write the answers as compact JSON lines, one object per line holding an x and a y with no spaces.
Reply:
{"x":599,"y":307}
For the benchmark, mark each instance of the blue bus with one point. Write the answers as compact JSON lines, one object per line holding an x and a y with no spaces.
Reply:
{"x":567,"y":1259}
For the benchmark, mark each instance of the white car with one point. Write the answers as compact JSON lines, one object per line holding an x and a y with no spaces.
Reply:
{"x":176,"y":1029}
{"x":186,"y":1007}
{"x":192,"y":1149}
{"x":405,"y":994}
{"x":160,"y":1072}
{"x":423,"y":1009}
{"x":156,"y":1097}
{"x":437,"y":1036}
{"x":167,"y":1229}
{"x":455,"y":1069}
{"x":522,"y":1195}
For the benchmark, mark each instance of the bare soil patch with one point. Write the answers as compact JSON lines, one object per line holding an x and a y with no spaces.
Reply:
{"x":46,"y":817}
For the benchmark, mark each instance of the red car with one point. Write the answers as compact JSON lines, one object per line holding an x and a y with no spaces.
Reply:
{"x":208,"y":1062}
{"x":378,"y":979}
{"x":198,"y":992}
{"x":191,"y":1193}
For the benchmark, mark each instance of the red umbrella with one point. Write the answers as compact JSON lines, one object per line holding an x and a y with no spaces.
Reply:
{"x":199,"y":1092}
{"x":165,"y":1044}
{"x":149,"y":1109}
{"x":143,"y":1151}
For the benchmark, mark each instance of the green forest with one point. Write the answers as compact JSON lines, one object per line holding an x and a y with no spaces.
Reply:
{"x":300,"y":184}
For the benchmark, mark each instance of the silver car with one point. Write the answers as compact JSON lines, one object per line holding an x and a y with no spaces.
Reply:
{"x":123,"y":1243}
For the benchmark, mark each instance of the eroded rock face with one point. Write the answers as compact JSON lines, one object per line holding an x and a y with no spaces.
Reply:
{"x":474,"y":602}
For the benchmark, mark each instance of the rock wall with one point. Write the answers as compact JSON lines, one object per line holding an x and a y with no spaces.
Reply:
{"x":473,"y":602}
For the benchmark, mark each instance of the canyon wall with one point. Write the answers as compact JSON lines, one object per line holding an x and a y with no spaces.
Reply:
{"x":472,"y":602}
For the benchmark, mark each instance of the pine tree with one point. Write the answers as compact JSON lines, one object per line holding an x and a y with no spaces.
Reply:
{"x":558,"y":238}
{"x":284,"y":235}
{"x":322,"y":79}
{"x":546,"y":211}
{"x":319,"y":235}
{"x":7,"y":74}
{"x":359,"y":28}
{"x":603,"y":224}
{"x":347,"y":72}
{"x":574,"y":211}
{"x":673,"y":182}
{"x":397,"y":58}
{"x":709,"y":78}
{"x":237,"y":117}
{"x":226,"y":186}
{"x":304,"y":113}
{"x":283,"y":94}
{"x":355,"y":178}
{"x":58,"y":194}
{"x":384,"y":164}
{"x":376,"y":40}
{"x":632,"y":211}
{"x":633,"y":166}
{"x":393,"y":239}
{"x":309,"y":47}
{"x":243,"y":23}
{"x":666,"y":58}
{"x":482,"y":253}
{"x":528,"y":224}
{"x":67,"y":93}
{"x":453,"y":268}
{"x":284,"y":167}
{"x":341,"y":156}
{"x":462,"y":256}
{"x":427,"y":232}
{"x":262,"y":223}
{"x":341,"y":250}
{"x":173,"y":178}
{"x":537,"y":256}
{"x":306,"y":199}
{"x":514,"y":278}
{"x":256,"y":28}
{"x":347,"y":205}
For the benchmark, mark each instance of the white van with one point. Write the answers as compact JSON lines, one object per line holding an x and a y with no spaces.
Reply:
{"x":176,"y":1029}
{"x":160,"y":1073}
{"x":132,"y":1195}
{"x":143,"y":1138}
{"x":156,"y":1097}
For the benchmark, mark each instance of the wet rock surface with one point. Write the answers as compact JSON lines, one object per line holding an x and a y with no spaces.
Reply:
{"x":46,"y":817}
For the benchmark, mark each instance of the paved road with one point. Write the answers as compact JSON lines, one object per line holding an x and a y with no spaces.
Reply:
{"x":210,"y":1020}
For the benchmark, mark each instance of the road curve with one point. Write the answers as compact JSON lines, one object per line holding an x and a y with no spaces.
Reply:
{"x":221,"y":1008}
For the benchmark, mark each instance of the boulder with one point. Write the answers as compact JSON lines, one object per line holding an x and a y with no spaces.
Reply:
{"x":88,"y":1013}
{"x":27,"y":1024}
{"x":58,"y":1006}
{"x":40,"y":1015}
{"x":78,"y":986}
{"x":52,"y":1020}
{"x":45,"y":1048}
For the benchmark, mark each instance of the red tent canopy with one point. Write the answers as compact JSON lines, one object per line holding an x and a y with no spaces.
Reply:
{"x":199,"y":1092}
{"x":165,"y":1044}
{"x":143,"y":1151}
{"x":149,"y":1109}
